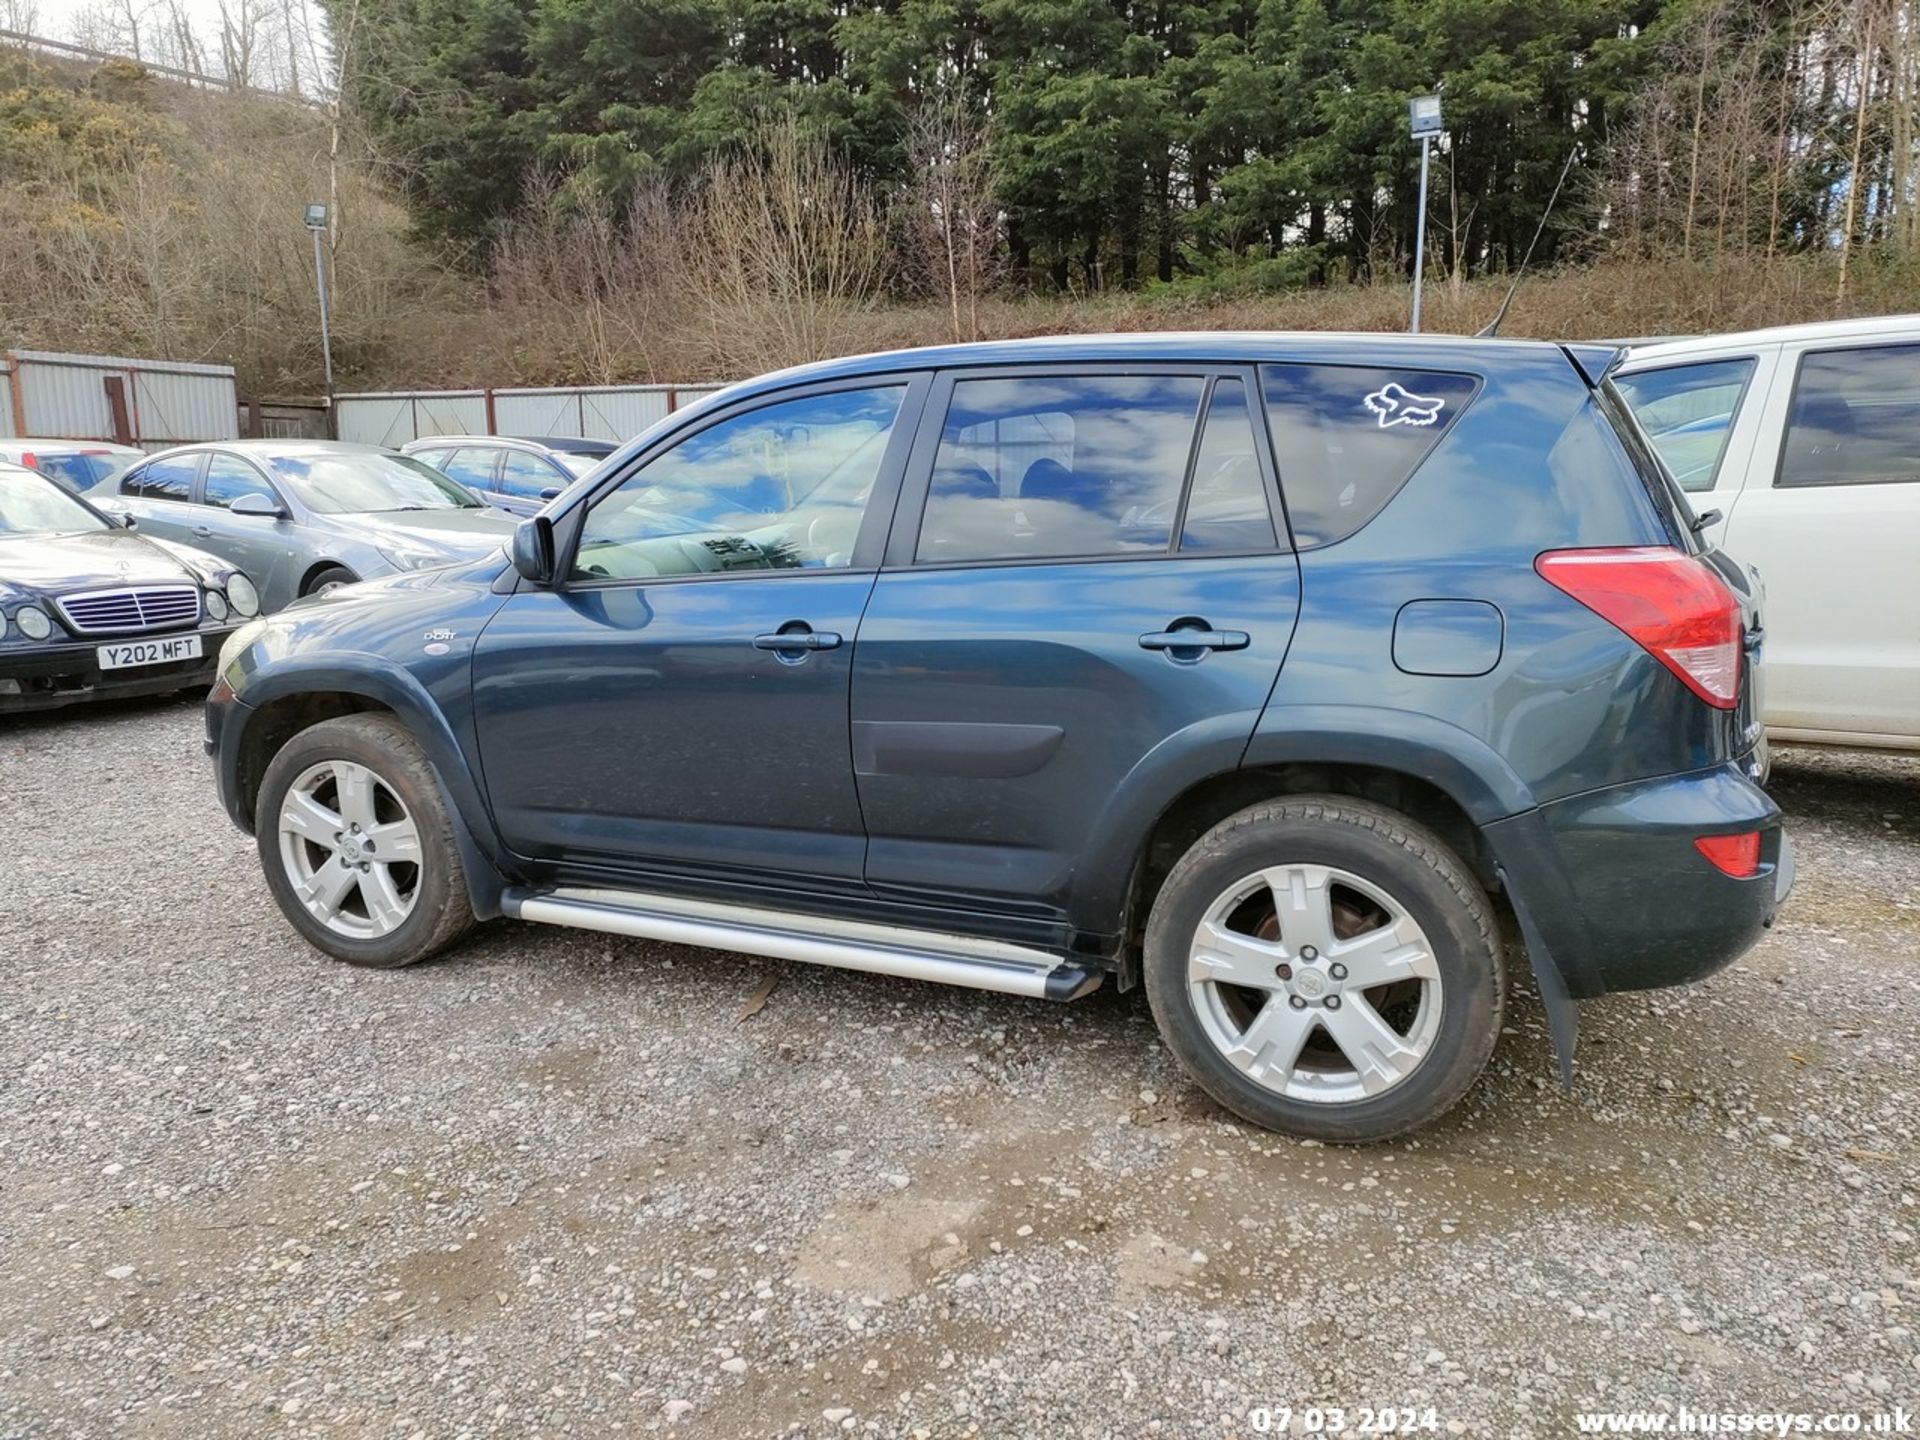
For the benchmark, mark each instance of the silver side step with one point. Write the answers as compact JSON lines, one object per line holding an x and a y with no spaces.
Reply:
{"x":846,"y":944}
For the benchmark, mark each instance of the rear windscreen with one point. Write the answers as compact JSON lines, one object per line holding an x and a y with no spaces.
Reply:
{"x":78,"y":472}
{"x":1669,"y":500}
{"x":1347,"y":437}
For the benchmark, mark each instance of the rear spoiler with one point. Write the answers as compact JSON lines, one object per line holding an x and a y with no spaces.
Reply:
{"x":1595,"y":362}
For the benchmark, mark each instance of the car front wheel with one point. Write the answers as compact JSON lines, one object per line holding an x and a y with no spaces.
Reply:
{"x":358,"y":846}
{"x":1326,"y":967}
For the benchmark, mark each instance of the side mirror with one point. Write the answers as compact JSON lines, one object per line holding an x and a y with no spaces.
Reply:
{"x":256,"y":504}
{"x":532,"y":550}
{"x":124,"y":519}
{"x":552,"y":493}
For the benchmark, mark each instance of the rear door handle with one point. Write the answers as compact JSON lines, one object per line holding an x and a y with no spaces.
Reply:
{"x":1195,"y":640}
{"x":797,"y":640}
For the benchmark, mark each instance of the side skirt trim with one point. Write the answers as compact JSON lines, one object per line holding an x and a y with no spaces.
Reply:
{"x":847,"y":945}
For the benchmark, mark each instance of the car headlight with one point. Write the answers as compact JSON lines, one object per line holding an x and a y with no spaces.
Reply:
{"x":216,"y":605}
{"x":33,"y":622}
{"x":415,"y":559}
{"x":241,"y":595}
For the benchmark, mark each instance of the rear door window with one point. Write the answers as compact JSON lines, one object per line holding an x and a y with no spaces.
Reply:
{"x":1060,"y":466}
{"x":1347,"y":437}
{"x":1855,"y":419}
{"x":169,"y":479}
{"x":1688,"y":412}
{"x":472,"y":466}
{"x":527,"y":476}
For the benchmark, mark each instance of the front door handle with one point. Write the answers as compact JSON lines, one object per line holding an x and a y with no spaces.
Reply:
{"x":797,"y":640}
{"x":203,"y":532}
{"x":1195,"y":640}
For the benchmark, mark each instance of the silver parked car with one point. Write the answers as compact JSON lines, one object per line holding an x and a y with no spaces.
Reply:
{"x":305,"y":516}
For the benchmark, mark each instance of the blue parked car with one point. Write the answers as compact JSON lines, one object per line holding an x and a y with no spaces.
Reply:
{"x":1269,"y":673}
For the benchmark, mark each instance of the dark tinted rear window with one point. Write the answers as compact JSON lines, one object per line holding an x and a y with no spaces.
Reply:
{"x":1855,"y":419}
{"x":170,"y":479}
{"x":1347,"y":437}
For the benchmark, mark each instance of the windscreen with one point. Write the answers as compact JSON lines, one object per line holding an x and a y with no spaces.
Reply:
{"x":33,"y":505}
{"x":350,"y":483}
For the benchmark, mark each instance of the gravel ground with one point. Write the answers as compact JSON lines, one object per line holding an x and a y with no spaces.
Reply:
{"x":558,"y":1185}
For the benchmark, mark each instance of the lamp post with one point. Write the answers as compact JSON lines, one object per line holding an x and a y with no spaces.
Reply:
{"x":1423,"y":118}
{"x":317,"y":223}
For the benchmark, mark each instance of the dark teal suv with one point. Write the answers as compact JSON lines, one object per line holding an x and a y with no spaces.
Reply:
{"x":1282,"y":675}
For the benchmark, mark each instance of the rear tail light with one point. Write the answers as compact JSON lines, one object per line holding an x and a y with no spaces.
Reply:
{"x":29,"y":459}
{"x":1671,"y":604}
{"x":1736,"y":855}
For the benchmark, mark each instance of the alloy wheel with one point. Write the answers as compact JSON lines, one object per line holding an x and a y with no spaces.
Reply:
{"x":1315,"y":983}
{"x":351,"y":849}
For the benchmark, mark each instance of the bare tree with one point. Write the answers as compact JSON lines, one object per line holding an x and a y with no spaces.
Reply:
{"x":953,"y":208}
{"x":240,"y":40}
{"x":789,"y":249}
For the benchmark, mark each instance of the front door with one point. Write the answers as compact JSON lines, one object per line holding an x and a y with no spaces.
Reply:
{"x":258,"y":544}
{"x":1088,"y":589}
{"x":677,"y":705}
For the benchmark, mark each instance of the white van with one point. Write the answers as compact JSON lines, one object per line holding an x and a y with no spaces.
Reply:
{"x":1806,"y":440}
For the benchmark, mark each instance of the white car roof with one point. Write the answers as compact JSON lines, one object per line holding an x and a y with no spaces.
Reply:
{"x":1876,"y":327}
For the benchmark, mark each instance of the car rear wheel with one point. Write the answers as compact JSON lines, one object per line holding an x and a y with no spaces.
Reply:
{"x":1326,"y":967}
{"x":357,"y":844}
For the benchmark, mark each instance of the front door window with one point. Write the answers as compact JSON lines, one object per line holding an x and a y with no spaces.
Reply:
{"x":779,"y":488}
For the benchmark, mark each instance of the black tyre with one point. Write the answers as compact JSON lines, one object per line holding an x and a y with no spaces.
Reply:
{"x":1326,"y":967}
{"x":332,"y":578}
{"x":357,"y":844}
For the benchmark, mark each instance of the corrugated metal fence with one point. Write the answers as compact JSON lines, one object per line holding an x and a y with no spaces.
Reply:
{"x":109,"y":397}
{"x":598,"y":412}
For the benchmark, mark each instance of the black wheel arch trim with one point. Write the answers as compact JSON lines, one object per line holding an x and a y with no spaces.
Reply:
{"x":389,"y":687}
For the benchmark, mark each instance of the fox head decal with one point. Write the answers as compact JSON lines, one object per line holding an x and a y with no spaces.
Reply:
{"x":1393,"y":404}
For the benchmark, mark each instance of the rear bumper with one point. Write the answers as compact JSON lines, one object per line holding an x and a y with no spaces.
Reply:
{"x":45,"y":678}
{"x":1617,"y":892}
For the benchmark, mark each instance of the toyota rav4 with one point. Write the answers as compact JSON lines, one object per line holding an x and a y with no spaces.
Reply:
{"x":1281,"y":675}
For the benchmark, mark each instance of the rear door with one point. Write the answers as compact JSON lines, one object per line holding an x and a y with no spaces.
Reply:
{"x":475,"y":466}
{"x":159,"y":495}
{"x":1828,"y":518}
{"x":1087,"y":597}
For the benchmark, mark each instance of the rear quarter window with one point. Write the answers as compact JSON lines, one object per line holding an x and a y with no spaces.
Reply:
{"x":1688,"y":412}
{"x":1348,"y":437}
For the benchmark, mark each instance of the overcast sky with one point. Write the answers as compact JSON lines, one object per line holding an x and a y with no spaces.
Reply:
{"x":104,"y":25}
